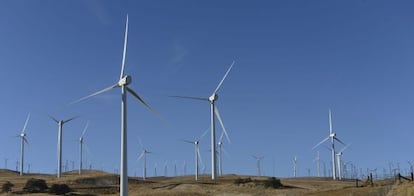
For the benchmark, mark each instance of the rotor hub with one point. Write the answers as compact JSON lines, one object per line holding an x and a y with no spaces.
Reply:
{"x":332,"y":135}
{"x":125,"y":80}
{"x":22,"y":134}
{"x":213,"y":97}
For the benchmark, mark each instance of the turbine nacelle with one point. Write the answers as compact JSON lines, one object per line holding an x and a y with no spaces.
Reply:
{"x":125,"y":80}
{"x":332,"y":135}
{"x":22,"y":134}
{"x":213,"y":97}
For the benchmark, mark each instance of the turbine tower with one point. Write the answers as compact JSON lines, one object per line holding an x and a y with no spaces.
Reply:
{"x":339,"y":161}
{"x":332,"y":137}
{"x":294,"y":166}
{"x":213,"y":114}
{"x":197,"y":155}
{"x":81,"y":148}
{"x":60,"y":125}
{"x":124,"y":81}
{"x":23,"y":140}
{"x":220,"y":152}
{"x":258,"y":159}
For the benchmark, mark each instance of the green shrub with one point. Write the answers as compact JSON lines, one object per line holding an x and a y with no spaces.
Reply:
{"x":7,"y":187}
{"x":35,"y":186}
{"x":59,"y":189}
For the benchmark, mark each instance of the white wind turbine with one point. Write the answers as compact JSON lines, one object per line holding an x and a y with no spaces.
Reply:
{"x":60,"y":125}
{"x":339,"y":161}
{"x":220,"y":151}
{"x":295,"y":161}
{"x":81,"y":148}
{"x":124,"y":81}
{"x":143,"y":156}
{"x":258,"y":159}
{"x":214,"y":113}
{"x":197,"y":155}
{"x":332,"y":137}
{"x":24,"y":140}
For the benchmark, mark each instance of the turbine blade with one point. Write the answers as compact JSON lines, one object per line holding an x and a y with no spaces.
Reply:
{"x":96,"y":93}
{"x":344,"y":148}
{"x":225,"y":152}
{"x":187,"y":97}
{"x":54,"y":119}
{"x":125,"y":47}
{"x":199,"y":156}
{"x":140,"y":156}
{"x":330,"y":121}
{"x":204,"y":134}
{"x":25,"y":140}
{"x":86,"y":128}
{"x":255,"y":157}
{"x":224,"y":77}
{"x":221,"y":123}
{"x":320,"y":143}
{"x":143,"y":102}
{"x":140,"y":142}
{"x":221,"y":137}
{"x":25,"y":123}
{"x":339,"y":141}
{"x":188,"y":141}
{"x":70,"y":119}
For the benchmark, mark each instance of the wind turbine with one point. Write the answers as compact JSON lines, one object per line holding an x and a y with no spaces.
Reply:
{"x":295,"y":161}
{"x":60,"y":125}
{"x":214,"y":113}
{"x":143,"y":156}
{"x":81,"y":148}
{"x":339,"y":160}
{"x":332,"y":137}
{"x":124,"y":81}
{"x":197,"y":155}
{"x":258,"y":159}
{"x":24,"y":140}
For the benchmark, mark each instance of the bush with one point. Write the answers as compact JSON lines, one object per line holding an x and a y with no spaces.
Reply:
{"x":272,"y":183}
{"x":242,"y":181}
{"x":35,"y":186}
{"x":59,"y":189}
{"x":7,"y":187}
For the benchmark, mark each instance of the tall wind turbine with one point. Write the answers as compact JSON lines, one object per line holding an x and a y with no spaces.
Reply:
{"x":339,"y":161}
{"x":332,"y":137}
{"x":258,"y":159}
{"x":24,"y":140}
{"x":214,"y":113}
{"x":81,"y":148}
{"x":60,"y":125}
{"x":197,"y":155}
{"x":124,"y":81}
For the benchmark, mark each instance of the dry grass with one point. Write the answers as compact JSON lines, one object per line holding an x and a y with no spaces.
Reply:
{"x":101,"y":183}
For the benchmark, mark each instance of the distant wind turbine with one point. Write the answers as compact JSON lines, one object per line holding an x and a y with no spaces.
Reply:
{"x":258,"y":159}
{"x":213,"y":114}
{"x":24,"y":140}
{"x":197,"y":155}
{"x":81,"y":148}
{"x":318,"y":164}
{"x":339,"y":161}
{"x":60,"y":125}
{"x":124,"y":81}
{"x":143,"y":156}
{"x":332,"y":137}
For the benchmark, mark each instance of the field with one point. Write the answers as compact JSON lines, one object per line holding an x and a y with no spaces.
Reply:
{"x":101,"y":183}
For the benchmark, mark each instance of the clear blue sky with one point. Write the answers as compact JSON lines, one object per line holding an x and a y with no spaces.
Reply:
{"x":294,"y":61}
